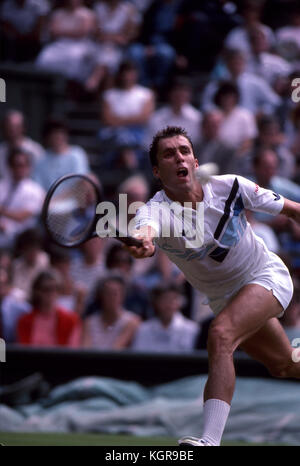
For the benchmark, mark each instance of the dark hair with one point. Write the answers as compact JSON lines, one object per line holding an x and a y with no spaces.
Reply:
{"x":59,"y":255}
{"x":265,"y":121}
{"x":110,"y":277}
{"x":168,"y":132}
{"x":29,"y":238}
{"x":258,"y":155}
{"x":126,"y":65}
{"x":54,"y":124}
{"x":226,"y":88}
{"x":160,"y":290}
{"x":49,"y":274}
{"x":13,"y":153}
{"x":113,"y":252}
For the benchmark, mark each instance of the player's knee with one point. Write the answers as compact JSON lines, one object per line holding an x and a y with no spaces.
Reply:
{"x":219,"y":338}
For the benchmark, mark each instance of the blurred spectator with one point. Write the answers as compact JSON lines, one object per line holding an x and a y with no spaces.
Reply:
{"x":211,"y":148}
{"x":112,"y":327}
{"x":126,"y":110}
{"x":21,"y":198}
{"x":295,"y":140}
{"x":13,"y":128}
{"x":61,"y":157}
{"x":71,"y":51}
{"x":238,"y":126}
{"x":22,"y":23}
{"x":31,"y":260}
{"x":288,"y":36}
{"x":71,"y":295}
{"x":239,"y":37}
{"x":118,"y":260}
{"x":47,"y":324}
{"x":117,"y":24}
{"x":263,"y":63}
{"x":169,"y":331}
{"x":87,"y":267}
{"x":11,"y":308}
{"x":178,"y":112}
{"x":256,"y":94}
{"x":153,"y":52}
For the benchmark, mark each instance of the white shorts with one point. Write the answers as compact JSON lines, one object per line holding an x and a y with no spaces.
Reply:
{"x":273,"y":276}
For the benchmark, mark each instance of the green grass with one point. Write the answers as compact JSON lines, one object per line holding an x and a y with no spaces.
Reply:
{"x":55,"y":439}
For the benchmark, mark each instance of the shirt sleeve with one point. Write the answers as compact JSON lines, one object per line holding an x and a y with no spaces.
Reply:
{"x":259,"y":199}
{"x":148,"y":215}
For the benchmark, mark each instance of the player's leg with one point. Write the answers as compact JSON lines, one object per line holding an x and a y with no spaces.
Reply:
{"x":271,"y":346}
{"x":241,"y":318}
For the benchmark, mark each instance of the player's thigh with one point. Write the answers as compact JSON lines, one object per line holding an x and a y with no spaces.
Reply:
{"x":270,"y":346}
{"x":245,"y":314}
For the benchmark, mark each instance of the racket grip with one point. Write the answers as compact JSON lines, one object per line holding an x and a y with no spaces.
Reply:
{"x":130,"y":241}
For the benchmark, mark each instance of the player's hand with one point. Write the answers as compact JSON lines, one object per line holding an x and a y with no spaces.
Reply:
{"x":141,"y":252}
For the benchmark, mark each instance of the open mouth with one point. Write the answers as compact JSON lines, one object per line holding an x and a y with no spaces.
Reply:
{"x":182,"y":172}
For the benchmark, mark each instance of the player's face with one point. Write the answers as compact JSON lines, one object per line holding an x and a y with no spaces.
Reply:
{"x":175,"y":163}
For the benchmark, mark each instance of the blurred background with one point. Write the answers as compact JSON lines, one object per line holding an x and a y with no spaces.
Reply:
{"x":88,"y":84}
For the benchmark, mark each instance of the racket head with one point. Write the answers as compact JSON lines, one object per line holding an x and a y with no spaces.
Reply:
{"x":69,"y":210}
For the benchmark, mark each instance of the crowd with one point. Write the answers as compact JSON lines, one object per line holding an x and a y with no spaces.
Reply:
{"x":138,"y":58}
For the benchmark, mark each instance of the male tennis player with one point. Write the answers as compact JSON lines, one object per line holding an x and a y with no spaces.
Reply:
{"x":248,"y":286}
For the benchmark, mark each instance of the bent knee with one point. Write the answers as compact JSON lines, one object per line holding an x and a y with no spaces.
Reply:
{"x":220,"y":338}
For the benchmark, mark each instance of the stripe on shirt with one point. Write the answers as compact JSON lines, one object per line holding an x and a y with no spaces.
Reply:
{"x":227,"y":208}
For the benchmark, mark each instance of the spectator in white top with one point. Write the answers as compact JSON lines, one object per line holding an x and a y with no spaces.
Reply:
{"x":71,"y":50}
{"x":21,"y":198}
{"x":117,"y":24}
{"x":22,"y":24}
{"x":61,"y":158}
{"x":178,"y":112}
{"x":169,"y":331}
{"x":111,"y":327}
{"x":289,"y":36}
{"x":239,"y":38}
{"x":238,"y":128}
{"x":126,"y":110}
{"x":256,"y":94}
{"x":268,"y":66}
{"x":13,"y":128}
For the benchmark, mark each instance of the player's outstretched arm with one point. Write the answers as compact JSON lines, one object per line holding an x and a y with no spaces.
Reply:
{"x":292,"y":210}
{"x":147,"y":234}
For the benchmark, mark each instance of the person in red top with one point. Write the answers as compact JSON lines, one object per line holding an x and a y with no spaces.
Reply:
{"x":48,"y":324}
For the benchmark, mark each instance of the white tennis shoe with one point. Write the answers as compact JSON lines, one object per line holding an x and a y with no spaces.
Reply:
{"x":193,"y":442}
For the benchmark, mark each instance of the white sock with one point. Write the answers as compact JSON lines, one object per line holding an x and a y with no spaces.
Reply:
{"x":215,"y":413}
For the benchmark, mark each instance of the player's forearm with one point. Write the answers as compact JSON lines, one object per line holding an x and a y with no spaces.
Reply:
{"x":292,"y":210}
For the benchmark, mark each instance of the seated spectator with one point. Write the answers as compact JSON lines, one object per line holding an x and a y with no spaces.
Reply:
{"x":268,"y":66}
{"x":31,"y":260}
{"x":71,"y":50}
{"x":22,"y":23}
{"x":211,"y":148}
{"x":256,"y":95}
{"x":169,"y":331}
{"x":126,"y":110}
{"x":61,"y":158}
{"x":117,"y":24}
{"x":47,"y":324}
{"x":178,"y":112}
{"x":87,"y":267}
{"x":238,"y":126}
{"x":294,"y":144}
{"x":13,"y":129}
{"x":118,"y":260}
{"x":112,"y":327}
{"x":11,"y":308}
{"x":288,"y":36}
{"x":71,"y":295}
{"x":21,"y":198}
{"x":153,"y":52}
{"x":238,"y":37}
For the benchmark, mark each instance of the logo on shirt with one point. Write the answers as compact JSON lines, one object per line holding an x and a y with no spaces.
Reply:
{"x":256,"y":188}
{"x":2,"y":90}
{"x":2,"y":350}
{"x":276,"y":196}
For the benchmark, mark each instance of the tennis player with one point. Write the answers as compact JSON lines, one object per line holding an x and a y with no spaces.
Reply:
{"x":247,"y":286}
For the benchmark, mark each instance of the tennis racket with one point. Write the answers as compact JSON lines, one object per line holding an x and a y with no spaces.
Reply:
{"x":69,"y":212}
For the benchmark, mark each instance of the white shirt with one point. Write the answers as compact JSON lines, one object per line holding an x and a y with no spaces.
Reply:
{"x":269,"y":66}
{"x":26,"y":195}
{"x":231,"y":252}
{"x":238,"y":38}
{"x":178,"y":336}
{"x":289,"y":34}
{"x":127,"y":102}
{"x":189,"y":118}
{"x":237,"y":127}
